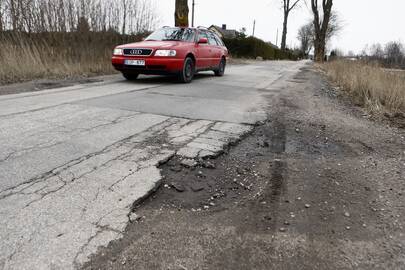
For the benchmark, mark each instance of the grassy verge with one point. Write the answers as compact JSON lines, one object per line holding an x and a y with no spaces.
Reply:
{"x":26,"y":57}
{"x":379,"y":90}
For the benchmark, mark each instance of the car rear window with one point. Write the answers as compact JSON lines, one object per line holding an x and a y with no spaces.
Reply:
{"x":219,"y":40}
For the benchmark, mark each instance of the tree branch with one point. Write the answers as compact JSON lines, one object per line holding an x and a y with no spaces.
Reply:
{"x":293,"y":6}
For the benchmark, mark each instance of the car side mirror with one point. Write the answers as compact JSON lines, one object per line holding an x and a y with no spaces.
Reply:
{"x":203,"y":41}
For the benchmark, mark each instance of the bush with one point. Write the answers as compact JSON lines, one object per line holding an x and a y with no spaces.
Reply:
{"x":251,"y":47}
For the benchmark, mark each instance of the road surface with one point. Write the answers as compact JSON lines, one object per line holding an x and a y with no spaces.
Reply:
{"x":75,"y":160}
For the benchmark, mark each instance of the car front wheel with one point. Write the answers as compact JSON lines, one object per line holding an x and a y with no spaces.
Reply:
{"x":187,"y":74}
{"x":130,"y":76}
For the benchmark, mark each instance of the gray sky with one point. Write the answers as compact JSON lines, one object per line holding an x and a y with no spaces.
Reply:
{"x":365,"y":21}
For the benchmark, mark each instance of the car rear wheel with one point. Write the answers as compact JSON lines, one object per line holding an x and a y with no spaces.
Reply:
{"x":187,"y":74}
{"x":130,"y":76}
{"x":221,"y":68}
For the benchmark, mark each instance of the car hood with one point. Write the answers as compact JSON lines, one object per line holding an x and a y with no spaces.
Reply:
{"x":151,"y":44}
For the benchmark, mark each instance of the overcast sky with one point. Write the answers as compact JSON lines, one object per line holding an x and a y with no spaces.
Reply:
{"x":365,"y":21}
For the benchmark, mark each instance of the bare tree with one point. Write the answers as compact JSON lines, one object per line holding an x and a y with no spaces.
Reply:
{"x":33,"y":16}
{"x":394,"y":53}
{"x":321,"y":26}
{"x":181,"y":13}
{"x":288,"y":6}
{"x":306,"y":36}
{"x":376,"y":52}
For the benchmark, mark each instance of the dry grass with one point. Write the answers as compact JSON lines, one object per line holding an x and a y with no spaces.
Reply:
{"x":58,"y":55}
{"x":379,"y":90}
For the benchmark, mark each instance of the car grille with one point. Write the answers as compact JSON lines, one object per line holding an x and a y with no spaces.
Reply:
{"x":138,"y":52}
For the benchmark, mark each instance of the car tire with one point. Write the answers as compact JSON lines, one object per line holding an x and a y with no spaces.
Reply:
{"x":130,"y":76}
{"x":220,"y":71}
{"x":187,"y":74}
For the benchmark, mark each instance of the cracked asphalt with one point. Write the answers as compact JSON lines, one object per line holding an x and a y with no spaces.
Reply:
{"x":74,"y":161}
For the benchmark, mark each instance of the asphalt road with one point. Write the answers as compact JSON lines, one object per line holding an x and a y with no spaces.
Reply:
{"x":74,"y":160}
{"x":318,"y":186}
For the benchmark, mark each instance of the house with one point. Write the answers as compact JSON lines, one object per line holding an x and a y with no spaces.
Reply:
{"x":223,"y":32}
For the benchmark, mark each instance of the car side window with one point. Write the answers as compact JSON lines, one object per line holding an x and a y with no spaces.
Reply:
{"x":211,"y":39}
{"x":189,"y":35}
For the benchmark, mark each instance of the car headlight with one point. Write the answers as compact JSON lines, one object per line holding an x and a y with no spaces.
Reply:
{"x":118,"y":51}
{"x":165,"y":53}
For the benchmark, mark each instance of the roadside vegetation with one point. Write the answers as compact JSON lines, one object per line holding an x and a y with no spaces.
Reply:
{"x":57,"y":55}
{"x":379,"y":89}
{"x":67,"y":38}
{"x":251,"y":47}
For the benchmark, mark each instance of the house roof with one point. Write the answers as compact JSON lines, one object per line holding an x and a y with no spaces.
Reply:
{"x":225,"y":33}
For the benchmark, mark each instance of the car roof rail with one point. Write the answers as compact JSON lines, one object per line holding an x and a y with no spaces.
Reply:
{"x":202,"y":27}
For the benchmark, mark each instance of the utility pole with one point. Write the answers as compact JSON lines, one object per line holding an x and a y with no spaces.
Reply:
{"x":254,"y":28}
{"x":277,"y":38}
{"x":192,"y":14}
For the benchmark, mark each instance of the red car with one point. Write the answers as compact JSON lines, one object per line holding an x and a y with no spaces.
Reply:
{"x":177,"y":51}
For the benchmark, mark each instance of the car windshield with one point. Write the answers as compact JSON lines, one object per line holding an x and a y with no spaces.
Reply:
{"x":175,"y":34}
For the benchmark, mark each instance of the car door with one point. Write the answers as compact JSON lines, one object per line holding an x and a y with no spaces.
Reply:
{"x":204,"y":52}
{"x":215,"y":53}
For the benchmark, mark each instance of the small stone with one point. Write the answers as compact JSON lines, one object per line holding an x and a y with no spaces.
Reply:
{"x":263,"y":143}
{"x":347,"y":214}
{"x":348,"y":228}
{"x":307,"y":205}
{"x":200,"y":174}
{"x":176,"y":169}
{"x":297,"y":130}
{"x":286,"y":223}
{"x":206,"y":207}
{"x":189,"y":163}
{"x":197,"y":188}
{"x":209,"y":165}
{"x":299,"y":199}
{"x":178,"y":187}
{"x":364,"y":225}
{"x":212,"y":204}
{"x":282,"y":229}
{"x":134,"y":217}
{"x":240,"y":171}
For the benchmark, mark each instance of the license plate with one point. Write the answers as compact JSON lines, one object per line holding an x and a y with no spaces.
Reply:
{"x":135,"y":62}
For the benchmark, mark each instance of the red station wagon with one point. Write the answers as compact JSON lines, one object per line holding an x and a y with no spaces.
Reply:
{"x":177,"y":51}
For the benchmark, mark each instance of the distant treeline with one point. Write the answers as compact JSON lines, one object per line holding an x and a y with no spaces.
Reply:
{"x":390,"y":55}
{"x":251,"y":47}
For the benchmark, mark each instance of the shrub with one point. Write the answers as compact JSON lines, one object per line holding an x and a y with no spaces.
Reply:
{"x":251,"y":47}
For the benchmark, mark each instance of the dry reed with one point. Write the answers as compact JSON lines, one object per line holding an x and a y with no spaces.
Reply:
{"x":378,"y":89}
